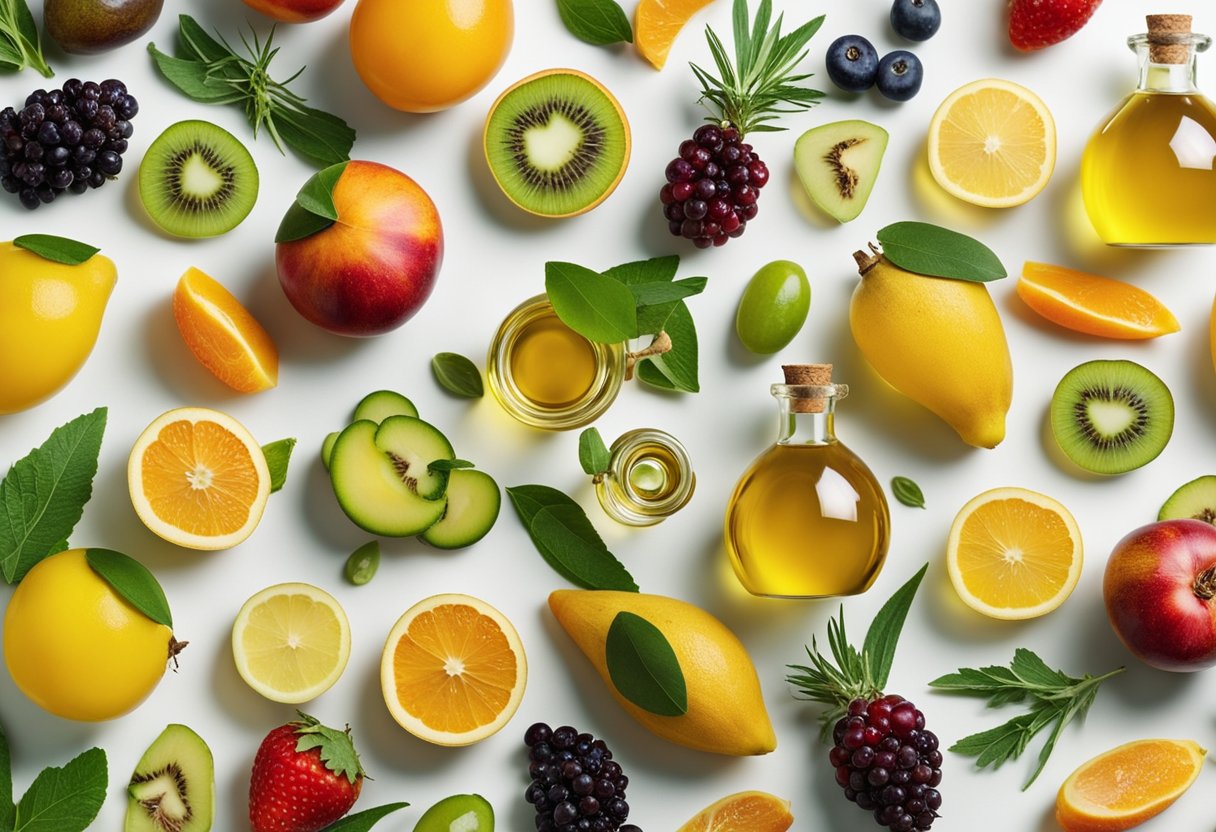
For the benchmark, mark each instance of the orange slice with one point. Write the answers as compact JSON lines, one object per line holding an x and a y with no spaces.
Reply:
{"x":743,"y":812}
{"x":1128,"y":785}
{"x":656,"y":24}
{"x":198,"y":479}
{"x":1092,"y":304}
{"x":453,"y":670}
{"x":1014,"y":554}
{"x":223,"y":336}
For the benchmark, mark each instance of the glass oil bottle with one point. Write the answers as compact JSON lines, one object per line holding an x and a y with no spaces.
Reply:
{"x":1148,"y":175}
{"x":808,"y":519}
{"x":649,"y":478}
{"x":548,"y":376}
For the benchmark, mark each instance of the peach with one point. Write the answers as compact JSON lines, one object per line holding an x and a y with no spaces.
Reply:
{"x":294,"y":11}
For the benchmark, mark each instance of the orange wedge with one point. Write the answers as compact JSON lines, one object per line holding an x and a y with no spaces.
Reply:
{"x":453,"y":670}
{"x":1128,"y":785}
{"x":743,"y":812}
{"x":1092,"y":304}
{"x":198,"y":479}
{"x":223,"y":336}
{"x":656,"y":24}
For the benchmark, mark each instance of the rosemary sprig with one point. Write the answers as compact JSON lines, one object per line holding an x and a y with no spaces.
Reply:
{"x":1055,"y":700}
{"x":19,"y":43}
{"x":210,"y":71}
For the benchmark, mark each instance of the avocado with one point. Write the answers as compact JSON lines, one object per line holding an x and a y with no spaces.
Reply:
{"x":85,"y":27}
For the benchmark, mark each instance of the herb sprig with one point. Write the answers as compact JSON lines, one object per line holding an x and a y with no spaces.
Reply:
{"x":19,"y":43}
{"x":1055,"y":700}
{"x":210,"y":71}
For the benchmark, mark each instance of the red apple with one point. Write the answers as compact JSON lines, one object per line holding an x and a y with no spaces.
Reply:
{"x":370,"y":271}
{"x":294,"y":11}
{"x":1159,"y":588}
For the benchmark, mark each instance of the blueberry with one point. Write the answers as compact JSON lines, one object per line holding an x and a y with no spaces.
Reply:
{"x":916,"y":19}
{"x":900,"y":75}
{"x":852,"y":63}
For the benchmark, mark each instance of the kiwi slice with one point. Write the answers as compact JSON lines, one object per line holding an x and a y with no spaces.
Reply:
{"x":1194,"y":501}
{"x":197,"y":180}
{"x":1110,"y":417}
{"x":173,"y":787}
{"x":557,"y":143}
{"x":838,"y":164}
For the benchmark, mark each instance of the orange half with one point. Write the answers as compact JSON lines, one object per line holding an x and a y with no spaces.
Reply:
{"x":743,"y":812}
{"x":453,"y":670}
{"x":1092,"y":304}
{"x":223,"y":336}
{"x":656,"y":23}
{"x":1128,"y":785}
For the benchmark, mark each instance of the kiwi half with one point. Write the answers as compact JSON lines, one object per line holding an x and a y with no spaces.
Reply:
{"x":557,"y":143}
{"x":1110,"y":417}
{"x":173,"y":787}
{"x":197,"y":180}
{"x":1196,"y":500}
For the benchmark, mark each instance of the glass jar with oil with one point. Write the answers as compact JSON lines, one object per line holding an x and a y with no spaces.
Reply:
{"x":808,"y":519}
{"x":548,"y":376}
{"x":649,"y":478}
{"x":1148,"y":175}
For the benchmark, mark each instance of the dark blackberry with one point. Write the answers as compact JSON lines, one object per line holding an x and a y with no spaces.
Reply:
{"x":576,"y":785}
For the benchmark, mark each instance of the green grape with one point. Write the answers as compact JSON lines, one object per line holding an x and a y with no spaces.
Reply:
{"x":773,"y":307}
{"x":458,"y":813}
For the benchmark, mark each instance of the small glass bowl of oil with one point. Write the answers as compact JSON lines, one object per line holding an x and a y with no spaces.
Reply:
{"x":649,"y":478}
{"x":546,"y":375}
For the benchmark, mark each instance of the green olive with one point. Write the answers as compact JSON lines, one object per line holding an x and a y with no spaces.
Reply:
{"x":773,"y":307}
{"x":458,"y":813}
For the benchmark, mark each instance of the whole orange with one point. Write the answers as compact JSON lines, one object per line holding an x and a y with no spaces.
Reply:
{"x":426,"y":55}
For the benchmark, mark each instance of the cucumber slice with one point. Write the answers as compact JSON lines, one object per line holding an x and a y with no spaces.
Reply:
{"x":381,"y":404}
{"x":412,"y":445}
{"x":327,"y":448}
{"x":472,"y":509}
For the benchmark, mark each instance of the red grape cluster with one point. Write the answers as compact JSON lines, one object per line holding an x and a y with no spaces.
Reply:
{"x":576,"y":785}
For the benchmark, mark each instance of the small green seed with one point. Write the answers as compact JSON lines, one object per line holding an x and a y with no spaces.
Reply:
{"x":774,"y":307}
{"x":362,"y":564}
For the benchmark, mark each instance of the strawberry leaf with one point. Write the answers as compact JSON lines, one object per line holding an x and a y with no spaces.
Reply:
{"x":336,"y":747}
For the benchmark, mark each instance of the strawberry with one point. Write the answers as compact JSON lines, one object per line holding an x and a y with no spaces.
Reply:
{"x":1034,"y":24}
{"x":305,"y":777}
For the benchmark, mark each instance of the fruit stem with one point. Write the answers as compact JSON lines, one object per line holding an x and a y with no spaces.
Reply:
{"x":867,"y":261}
{"x":1205,"y":584}
{"x":660,"y":345}
{"x":175,"y":647}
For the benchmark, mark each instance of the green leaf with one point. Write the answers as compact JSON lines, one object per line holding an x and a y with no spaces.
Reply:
{"x":598,"y":22}
{"x":927,"y":249}
{"x":878,"y":650}
{"x":362,"y":564}
{"x":643,"y":666}
{"x":19,"y":42}
{"x":321,"y":137}
{"x":599,"y":309}
{"x":651,"y":319}
{"x":566,"y":539}
{"x":278,"y":457}
{"x":677,"y":368}
{"x":593,"y":454}
{"x":194,"y":39}
{"x":336,"y":747}
{"x":8,"y":809}
{"x":56,"y":249}
{"x":43,"y":495}
{"x":65,"y":799}
{"x":658,"y":294}
{"x":132,"y":580}
{"x":907,"y":492}
{"x":191,"y":79}
{"x":449,"y":465}
{"x":365,"y":820}
{"x":458,"y":375}
{"x":313,"y":209}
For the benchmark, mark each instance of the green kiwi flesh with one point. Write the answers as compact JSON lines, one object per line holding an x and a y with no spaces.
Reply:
{"x":381,"y":404}
{"x":1110,"y":417}
{"x":557,"y":144}
{"x":472,"y":509}
{"x":838,"y":164}
{"x":1194,"y":501}
{"x":173,"y":787}
{"x":197,"y":180}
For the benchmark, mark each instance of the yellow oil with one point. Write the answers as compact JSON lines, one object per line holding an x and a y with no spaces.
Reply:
{"x":653,"y":472}
{"x":807,"y":521}
{"x":1148,"y":175}
{"x":551,"y":364}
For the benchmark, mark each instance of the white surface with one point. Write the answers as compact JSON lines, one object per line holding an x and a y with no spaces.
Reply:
{"x":495,"y":256}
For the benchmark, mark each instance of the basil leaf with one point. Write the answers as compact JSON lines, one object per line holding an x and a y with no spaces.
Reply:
{"x":43,"y":495}
{"x":365,"y":820}
{"x":449,"y":465}
{"x":8,"y":809}
{"x":597,"y":308}
{"x":878,"y":650}
{"x":677,"y":368}
{"x":362,"y":564}
{"x":313,"y":209}
{"x":278,"y":457}
{"x":132,"y":580}
{"x":65,"y":799}
{"x":907,"y":492}
{"x":458,"y":375}
{"x":593,"y":454}
{"x":598,"y":22}
{"x":655,"y":294}
{"x":939,"y":252}
{"x":651,"y":319}
{"x":56,"y":249}
{"x":644,"y":667}
{"x":565,"y":538}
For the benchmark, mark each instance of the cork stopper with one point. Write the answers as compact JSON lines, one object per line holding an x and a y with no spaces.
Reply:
{"x":1169,"y":38}
{"x":815,"y":375}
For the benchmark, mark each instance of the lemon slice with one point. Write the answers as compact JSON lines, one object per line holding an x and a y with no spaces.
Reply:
{"x":1014,"y":554}
{"x":291,"y":642}
{"x":992,"y":143}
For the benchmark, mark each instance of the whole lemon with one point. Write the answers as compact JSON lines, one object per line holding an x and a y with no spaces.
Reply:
{"x":77,"y":648}
{"x":426,"y":55}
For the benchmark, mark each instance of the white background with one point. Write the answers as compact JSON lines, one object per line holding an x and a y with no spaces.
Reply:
{"x":495,"y":256}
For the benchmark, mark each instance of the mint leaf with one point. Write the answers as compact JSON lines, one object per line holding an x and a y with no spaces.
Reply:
{"x":131,"y":580}
{"x":314,"y":208}
{"x":597,"y":308}
{"x":278,"y":457}
{"x":449,"y":465}
{"x":878,"y":650}
{"x":43,"y":495}
{"x":939,"y":252}
{"x":56,"y":249}
{"x":643,"y":666}
{"x":598,"y":22}
{"x":593,"y":454}
{"x":458,"y":375}
{"x":8,"y":811}
{"x":365,"y":820}
{"x":677,"y":368}
{"x":65,"y":799}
